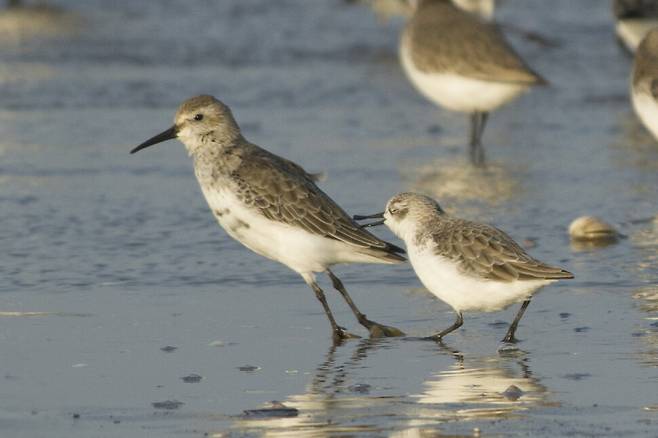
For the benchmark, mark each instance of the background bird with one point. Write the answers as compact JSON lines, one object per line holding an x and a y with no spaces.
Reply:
{"x":463,"y":63}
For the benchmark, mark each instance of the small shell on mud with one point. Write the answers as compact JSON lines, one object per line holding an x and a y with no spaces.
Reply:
{"x":592,"y":228}
{"x":275,"y":410}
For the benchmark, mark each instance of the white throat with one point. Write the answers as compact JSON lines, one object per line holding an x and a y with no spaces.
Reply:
{"x":404,"y":229}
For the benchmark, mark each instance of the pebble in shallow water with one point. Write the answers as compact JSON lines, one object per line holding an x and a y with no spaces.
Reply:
{"x":191,"y":378}
{"x":276,"y":410}
{"x":167,"y":404}
{"x":249,"y":368}
{"x":513,"y":393}
{"x":362,"y":388}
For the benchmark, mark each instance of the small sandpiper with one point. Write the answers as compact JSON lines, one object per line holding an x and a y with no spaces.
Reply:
{"x":272,"y":205}
{"x":469,"y":265}
{"x":644,"y":83}
{"x":634,"y":19}
{"x":462,"y":62}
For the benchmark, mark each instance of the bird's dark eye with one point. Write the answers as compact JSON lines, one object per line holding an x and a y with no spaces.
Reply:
{"x":198,"y":117}
{"x":392,"y":210}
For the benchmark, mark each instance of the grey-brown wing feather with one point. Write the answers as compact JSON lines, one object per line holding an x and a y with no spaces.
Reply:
{"x":487,"y":252}
{"x":296,"y":169}
{"x":445,"y":39}
{"x":281,"y":193}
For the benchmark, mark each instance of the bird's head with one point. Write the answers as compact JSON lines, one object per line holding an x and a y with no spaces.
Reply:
{"x":403,"y":212}
{"x":200,"y":122}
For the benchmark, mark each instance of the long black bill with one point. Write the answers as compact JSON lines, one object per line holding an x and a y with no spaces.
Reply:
{"x":163,"y":136}
{"x":357,"y":217}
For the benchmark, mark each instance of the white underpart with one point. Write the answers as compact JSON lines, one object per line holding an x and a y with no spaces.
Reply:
{"x":296,"y":248}
{"x":463,"y":292}
{"x":459,"y":93}
{"x":632,"y":31}
{"x":482,"y":8}
{"x":646,"y":108}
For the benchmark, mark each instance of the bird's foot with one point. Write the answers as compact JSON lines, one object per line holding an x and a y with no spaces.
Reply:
{"x":509,"y":346}
{"x":510,"y":350}
{"x":340,"y":335}
{"x":379,"y":330}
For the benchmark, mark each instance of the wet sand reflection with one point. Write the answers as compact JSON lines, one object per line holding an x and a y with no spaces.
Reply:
{"x":457,"y":182}
{"x":469,"y":388}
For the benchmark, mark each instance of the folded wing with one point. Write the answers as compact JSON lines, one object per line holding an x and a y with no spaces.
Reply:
{"x":487,"y":252}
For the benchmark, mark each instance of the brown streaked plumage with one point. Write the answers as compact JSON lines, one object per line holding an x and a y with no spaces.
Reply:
{"x":486,"y":252}
{"x":445,"y":39}
{"x":284,"y":194}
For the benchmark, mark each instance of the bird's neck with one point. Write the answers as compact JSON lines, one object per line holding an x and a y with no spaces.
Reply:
{"x":211,"y":141}
{"x":217,"y":157}
{"x":417,"y":231}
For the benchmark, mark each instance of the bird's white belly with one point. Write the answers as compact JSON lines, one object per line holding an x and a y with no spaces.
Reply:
{"x":296,"y":248}
{"x":465,"y":293}
{"x":456,"y":92}
{"x":646,"y":108}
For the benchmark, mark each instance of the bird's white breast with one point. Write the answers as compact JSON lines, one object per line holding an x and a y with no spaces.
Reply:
{"x":463,"y":292}
{"x":296,"y":248}
{"x":456,"y":92}
{"x":646,"y":108}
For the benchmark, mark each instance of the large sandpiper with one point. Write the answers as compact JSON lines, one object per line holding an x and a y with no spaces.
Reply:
{"x":272,"y":205}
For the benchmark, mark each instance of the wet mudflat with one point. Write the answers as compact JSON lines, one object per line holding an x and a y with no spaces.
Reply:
{"x":126,"y":311}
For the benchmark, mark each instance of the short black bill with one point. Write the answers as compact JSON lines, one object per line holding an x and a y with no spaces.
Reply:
{"x":357,"y":217}
{"x":169,"y":134}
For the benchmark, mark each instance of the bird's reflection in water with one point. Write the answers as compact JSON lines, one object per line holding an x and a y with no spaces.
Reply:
{"x":338,"y":401}
{"x":333,"y":402}
{"x":35,"y":21}
{"x":476,"y":388}
{"x":457,"y":182}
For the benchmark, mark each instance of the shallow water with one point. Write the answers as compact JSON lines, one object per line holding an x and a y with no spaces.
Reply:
{"x":108,"y":258}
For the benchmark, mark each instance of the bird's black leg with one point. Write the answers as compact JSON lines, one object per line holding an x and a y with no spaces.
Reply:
{"x":509,"y":337}
{"x":376,"y":330}
{"x":458,"y":323}
{"x":339,"y":333}
{"x":474,"y":134}
{"x":478,"y":122}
